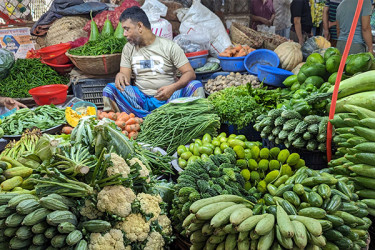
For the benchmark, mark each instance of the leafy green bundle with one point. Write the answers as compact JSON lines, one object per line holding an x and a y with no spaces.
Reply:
{"x":242,"y":105}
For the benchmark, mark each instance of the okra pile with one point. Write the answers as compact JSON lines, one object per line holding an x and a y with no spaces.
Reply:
{"x":27,"y":221}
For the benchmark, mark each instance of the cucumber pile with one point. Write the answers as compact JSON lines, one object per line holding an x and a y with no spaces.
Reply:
{"x":227,"y":222}
{"x":289,"y":128}
{"x":356,"y":151}
{"x":29,"y":222}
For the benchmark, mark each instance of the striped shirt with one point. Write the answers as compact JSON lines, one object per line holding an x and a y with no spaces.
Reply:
{"x":332,"y":6}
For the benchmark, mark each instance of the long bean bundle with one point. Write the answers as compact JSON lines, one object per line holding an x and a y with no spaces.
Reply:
{"x":177,"y":124}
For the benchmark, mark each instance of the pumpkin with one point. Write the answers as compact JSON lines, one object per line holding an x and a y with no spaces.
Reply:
{"x":297,"y":68}
{"x":313,"y":44}
{"x":72,"y":117}
{"x":290,"y":55}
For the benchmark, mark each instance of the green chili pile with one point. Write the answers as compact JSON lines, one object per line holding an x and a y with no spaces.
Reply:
{"x":27,"y":74}
{"x":104,"y":45}
{"x":43,"y":117}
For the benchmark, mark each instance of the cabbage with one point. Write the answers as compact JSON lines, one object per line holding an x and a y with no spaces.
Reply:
{"x":6,"y":62}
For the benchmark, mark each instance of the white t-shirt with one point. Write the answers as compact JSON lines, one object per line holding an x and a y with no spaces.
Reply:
{"x":154,"y":66}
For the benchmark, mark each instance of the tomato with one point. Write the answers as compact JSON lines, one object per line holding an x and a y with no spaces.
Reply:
{"x":182,"y":163}
{"x":205,"y":150}
{"x":199,"y":141}
{"x":206,"y":138}
{"x":191,"y":147}
{"x":224,"y":145}
{"x":240,"y":137}
{"x":223,"y":134}
{"x":232,"y":136}
{"x":186,"y":155}
{"x":206,"y":144}
{"x":181,"y":149}
{"x":217,"y":151}
{"x":196,"y":149}
{"x":223,"y":139}
{"x":193,"y":159}
{"x":205,"y":157}
{"x":215,"y":142}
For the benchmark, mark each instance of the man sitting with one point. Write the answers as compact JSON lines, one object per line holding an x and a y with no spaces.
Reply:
{"x":154,"y":61}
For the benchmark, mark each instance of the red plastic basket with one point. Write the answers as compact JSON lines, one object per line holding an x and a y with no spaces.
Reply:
{"x":49,"y":94}
{"x":62,"y":69}
{"x":54,"y":48}
{"x":58,"y":58}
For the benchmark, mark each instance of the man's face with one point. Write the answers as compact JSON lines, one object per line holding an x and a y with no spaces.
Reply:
{"x":131,"y":32}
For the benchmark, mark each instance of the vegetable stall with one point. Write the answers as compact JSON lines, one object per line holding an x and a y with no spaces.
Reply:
{"x":243,"y":168}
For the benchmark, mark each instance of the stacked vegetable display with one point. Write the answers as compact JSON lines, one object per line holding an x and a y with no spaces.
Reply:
{"x":289,"y":128}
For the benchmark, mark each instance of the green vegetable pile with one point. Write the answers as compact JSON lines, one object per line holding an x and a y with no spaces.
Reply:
{"x":43,"y":117}
{"x":243,"y":104}
{"x":202,"y":179}
{"x":27,"y":74}
{"x":110,"y":41}
{"x":175,"y":124}
{"x":102,"y":46}
{"x":289,"y":128}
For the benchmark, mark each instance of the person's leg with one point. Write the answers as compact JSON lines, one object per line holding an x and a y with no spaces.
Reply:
{"x":194,"y":88}
{"x":131,"y":100}
{"x":287,"y":33}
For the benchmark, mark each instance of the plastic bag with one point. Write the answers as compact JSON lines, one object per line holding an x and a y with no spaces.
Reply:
{"x":192,"y":42}
{"x":199,"y":17}
{"x":159,"y":26}
{"x":6,"y":62}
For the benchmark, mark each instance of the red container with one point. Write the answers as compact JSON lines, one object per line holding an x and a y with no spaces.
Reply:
{"x":49,"y":94}
{"x":58,"y":58}
{"x":54,"y":48}
{"x":62,"y":69}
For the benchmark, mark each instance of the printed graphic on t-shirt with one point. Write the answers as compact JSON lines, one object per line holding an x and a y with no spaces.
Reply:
{"x":154,"y":64}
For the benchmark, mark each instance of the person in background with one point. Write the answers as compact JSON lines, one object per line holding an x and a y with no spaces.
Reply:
{"x":282,"y":17}
{"x":154,"y":61}
{"x":362,"y":40}
{"x":301,"y":21}
{"x":329,"y":21}
{"x":261,"y":12}
{"x":10,"y":103}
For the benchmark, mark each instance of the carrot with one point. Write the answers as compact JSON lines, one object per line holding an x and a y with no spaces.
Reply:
{"x":125,"y":132}
{"x":133,"y":135}
{"x":131,"y":121}
{"x":121,"y":115}
{"x":238,"y":47}
{"x":124,"y":118}
{"x":131,"y":115}
{"x":132,"y":128}
{"x":67,"y":130}
{"x":139,"y":120}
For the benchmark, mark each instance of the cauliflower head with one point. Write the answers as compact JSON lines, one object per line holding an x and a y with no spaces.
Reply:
{"x":114,"y":239}
{"x":135,"y":227}
{"x":89,"y":210}
{"x":119,"y":166}
{"x":165,"y":223}
{"x":155,"y":241}
{"x":143,"y":172}
{"x":116,"y":200}
{"x":150,"y":204}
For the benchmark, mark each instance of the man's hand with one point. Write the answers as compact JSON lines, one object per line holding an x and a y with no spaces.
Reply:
{"x":326,"y":34}
{"x":121,"y":81}
{"x":164,"y":93}
{"x":10,"y":103}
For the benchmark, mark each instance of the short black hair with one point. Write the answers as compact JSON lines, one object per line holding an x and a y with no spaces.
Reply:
{"x":135,"y":14}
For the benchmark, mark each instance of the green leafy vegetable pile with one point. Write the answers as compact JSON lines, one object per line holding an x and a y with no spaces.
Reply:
{"x":102,"y":46}
{"x":43,"y":117}
{"x":241,"y":105}
{"x":27,"y":74}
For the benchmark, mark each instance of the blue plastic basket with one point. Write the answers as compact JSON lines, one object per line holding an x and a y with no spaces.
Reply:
{"x":198,"y":61}
{"x":260,"y":57}
{"x":272,"y":75}
{"x":232,"y":64}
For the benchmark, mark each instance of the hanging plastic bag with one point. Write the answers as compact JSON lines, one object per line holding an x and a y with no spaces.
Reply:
{"x":193,"y":42}
{"x":159,"y":26}
{"x":198,"y":17}
{"x":6,"y":62}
